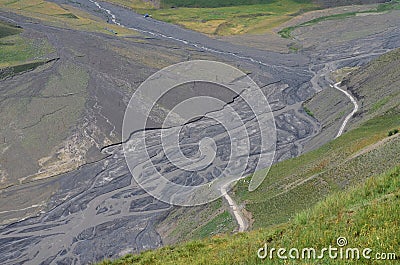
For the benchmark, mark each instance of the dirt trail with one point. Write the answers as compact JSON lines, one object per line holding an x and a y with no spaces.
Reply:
{"x":353,"y":100}
{"x":373,"y":146}
{"x":242,"y":222}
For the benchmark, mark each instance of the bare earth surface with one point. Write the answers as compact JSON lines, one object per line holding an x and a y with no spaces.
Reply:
{"x":273,"y":42}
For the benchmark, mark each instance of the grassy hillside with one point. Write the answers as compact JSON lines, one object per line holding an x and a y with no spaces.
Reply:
{"x":226,"y":17}
{"x":231,"y":17}
{"x":19,"y":53}
{"x":367,"y":215}
{"x":235,"y":19}
{"x":184,"y":224}
{"x":8,"y":30}
{"x":297,"y":184}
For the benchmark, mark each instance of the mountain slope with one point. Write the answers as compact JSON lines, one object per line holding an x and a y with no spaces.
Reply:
{"x":376,"y":86}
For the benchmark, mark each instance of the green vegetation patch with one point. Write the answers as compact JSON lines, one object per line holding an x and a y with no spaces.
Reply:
{"x":308,"y":111}
{"x":227,"y":18}
{"x":19,"y":53}
{"x":16,"y":49}
{"x":382,"y":102}
{"x":393,"y":132}
{"x":184,"y":224}
{"x":215,"y":226}
{"x":8,"y":30}
{"x":68,"y":15}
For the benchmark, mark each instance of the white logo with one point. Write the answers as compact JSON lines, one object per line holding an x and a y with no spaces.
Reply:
{"x":341,"y":241}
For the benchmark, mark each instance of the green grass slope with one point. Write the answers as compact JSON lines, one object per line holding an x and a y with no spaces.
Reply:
{"x":298,"y":183}
{"x":19,"y":53}
{"x":366,"y":215}
{"x":8,"y":30}
{"x":184,"y":224}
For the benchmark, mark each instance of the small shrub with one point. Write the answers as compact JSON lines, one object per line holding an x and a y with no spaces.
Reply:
{"x":309,"y":112}
{"x":393,"y":132}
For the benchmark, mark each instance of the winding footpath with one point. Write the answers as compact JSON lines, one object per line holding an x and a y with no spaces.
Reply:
{"x":352,"y":99}
{"x":242,"y":222}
